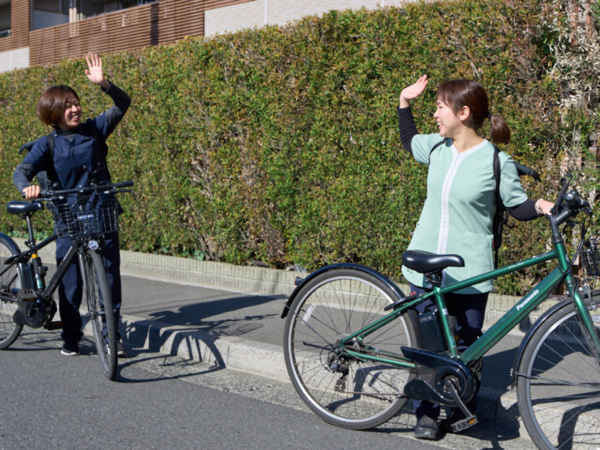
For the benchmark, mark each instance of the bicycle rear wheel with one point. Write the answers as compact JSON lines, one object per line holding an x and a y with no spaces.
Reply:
{"x":9,"y":284}
{"x":344,"y":391}
{"x":558,"y":385}
{"x":99,"y":303}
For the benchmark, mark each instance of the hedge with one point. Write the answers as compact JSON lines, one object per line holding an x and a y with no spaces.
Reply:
{"x":281,"y":145}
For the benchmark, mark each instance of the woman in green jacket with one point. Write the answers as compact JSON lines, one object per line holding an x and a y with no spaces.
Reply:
{"x":460,"y":206}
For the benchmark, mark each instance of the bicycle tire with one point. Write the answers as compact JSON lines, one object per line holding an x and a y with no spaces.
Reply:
{"x":9,"y":283}
{"x":100,"y":309}
{"x":334,"y":304}
{"x":558,"y":384}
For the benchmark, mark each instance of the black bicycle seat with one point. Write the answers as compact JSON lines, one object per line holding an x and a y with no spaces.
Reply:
{"x":425,"y":262}
{"x":24,"y":207}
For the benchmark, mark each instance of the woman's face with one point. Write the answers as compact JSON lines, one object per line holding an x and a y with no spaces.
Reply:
{"x":72,"y":114}
{"x":448,"y":122}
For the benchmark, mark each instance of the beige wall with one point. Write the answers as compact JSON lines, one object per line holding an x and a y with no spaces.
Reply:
{"x":278,"y":12}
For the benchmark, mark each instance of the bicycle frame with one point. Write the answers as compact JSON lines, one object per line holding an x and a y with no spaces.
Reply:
{"x":506,"y":323}
{"x":60,"y":270}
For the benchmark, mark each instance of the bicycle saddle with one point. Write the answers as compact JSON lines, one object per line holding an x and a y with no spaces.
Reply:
{"x":425,"y":262}
{"x":24,"y":207}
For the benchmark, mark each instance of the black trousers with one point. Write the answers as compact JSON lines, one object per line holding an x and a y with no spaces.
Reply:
{"x":469,"y":311}
{"x":70,"y":289}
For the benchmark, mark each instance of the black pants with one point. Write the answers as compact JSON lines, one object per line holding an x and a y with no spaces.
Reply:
{"x":469,"y":311}
{"x":70,"y":289}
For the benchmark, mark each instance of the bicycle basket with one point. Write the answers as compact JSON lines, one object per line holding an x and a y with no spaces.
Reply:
{"x":86,"y":217}
{"x":591,"y":257}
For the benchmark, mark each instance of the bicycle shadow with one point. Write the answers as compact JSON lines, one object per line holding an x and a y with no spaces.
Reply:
{"x":130,"y":362}
{"x":228,"y":319}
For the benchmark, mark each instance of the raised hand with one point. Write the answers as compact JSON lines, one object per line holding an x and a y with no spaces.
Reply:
{"x":94,"y":71}
{"x":413,"y":91}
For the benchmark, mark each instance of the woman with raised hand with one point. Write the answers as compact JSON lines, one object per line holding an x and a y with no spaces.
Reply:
{"x":460,"y":207}
{"x":72,"y":155}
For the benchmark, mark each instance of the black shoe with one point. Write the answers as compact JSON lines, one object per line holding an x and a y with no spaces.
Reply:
{"x":69,"y":349}
{"x":121,"y":350}
{"x":454,"y":416}
{"x":427,"y":428}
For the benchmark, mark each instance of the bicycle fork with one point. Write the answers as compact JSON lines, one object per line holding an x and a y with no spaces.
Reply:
{"x":586,"y":322}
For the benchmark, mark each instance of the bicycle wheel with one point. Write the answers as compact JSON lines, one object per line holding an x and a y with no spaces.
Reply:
{"x":9,"y":283}
{"x":346,"y":392}
{"x":99,"y":302}
{"x":558,"y":384}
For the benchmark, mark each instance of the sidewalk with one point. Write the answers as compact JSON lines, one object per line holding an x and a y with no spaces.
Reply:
{"x":230,"y":316}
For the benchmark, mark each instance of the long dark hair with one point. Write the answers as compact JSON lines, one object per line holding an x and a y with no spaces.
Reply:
{"x":459,"y":93}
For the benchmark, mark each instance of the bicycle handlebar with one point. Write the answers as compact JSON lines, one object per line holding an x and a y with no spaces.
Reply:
{"x":50,"y":194}
{"x":561,"y":194}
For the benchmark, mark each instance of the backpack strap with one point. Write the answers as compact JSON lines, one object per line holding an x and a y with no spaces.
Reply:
{"x":45,"y":178}
{"x":501,"y":216}
{"x":497,"y":222}
{"x":434,"y":147}
{"x":524,"y":170}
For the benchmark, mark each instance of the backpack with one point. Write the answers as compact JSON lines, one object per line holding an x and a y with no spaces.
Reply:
{"x":501,"y":216}
{"x":47,"y":178}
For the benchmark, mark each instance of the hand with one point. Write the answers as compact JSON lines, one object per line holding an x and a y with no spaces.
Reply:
{"x":544,"y":206}
{"x":94,"y":71}
{"x":31,"y":192}
{"x":411,"y":92}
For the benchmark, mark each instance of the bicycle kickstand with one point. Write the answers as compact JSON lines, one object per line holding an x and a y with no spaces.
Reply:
{"x":470,"y":419}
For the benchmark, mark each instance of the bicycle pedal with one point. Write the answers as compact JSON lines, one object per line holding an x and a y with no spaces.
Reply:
{"x":462,"y":425}
{"x":51,"y":326}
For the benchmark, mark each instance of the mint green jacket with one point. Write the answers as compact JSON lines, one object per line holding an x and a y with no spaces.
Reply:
{"x":460,"y":206}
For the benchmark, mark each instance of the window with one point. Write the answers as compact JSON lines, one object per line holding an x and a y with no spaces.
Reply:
{"x":108,"y":6}
{"x":5,"y":18}
{"x":47,"y":13}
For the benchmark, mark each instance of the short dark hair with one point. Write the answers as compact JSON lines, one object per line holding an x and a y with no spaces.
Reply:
{"x":53,"y":102}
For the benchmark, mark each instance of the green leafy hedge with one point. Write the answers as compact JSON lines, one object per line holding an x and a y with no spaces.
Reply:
{"x":280,"y":144}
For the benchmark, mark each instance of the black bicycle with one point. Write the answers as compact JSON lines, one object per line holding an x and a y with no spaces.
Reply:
{"x":85,"y":215}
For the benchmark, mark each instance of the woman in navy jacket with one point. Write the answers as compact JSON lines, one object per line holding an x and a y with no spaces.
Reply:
{"x":78,"y":151}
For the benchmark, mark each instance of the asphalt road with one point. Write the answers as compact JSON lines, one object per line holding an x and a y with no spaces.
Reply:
{"x":49,"y":401}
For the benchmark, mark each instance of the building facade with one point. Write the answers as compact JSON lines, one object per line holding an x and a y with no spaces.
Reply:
{"x":36,"y":32}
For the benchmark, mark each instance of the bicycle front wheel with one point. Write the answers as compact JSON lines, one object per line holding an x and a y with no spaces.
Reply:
{"x":344,"y":391}
{"x":10,"y":283}
{"x":100,"y":309}
{"x":558,"y":385}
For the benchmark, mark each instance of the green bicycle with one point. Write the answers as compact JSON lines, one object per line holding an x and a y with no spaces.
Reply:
{"x":352,"y":343}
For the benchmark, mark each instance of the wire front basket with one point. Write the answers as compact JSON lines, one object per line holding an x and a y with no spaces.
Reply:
{"x":87,"y":217}
{"x":590,"y":256}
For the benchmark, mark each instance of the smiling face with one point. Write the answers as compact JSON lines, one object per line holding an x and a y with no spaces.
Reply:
{"x":71,"y":116}
{"x":448,"y":121}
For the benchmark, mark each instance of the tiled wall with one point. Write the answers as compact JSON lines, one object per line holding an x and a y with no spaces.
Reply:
{"x":261,"y":12}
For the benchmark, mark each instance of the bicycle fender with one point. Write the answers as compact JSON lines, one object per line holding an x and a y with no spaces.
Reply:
{"x":381,"y":277}
{"x":538,"y":323}
{"x":10,"y":242}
